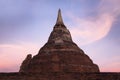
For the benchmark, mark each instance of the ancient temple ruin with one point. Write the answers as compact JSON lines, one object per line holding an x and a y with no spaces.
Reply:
{"x":59,"y":54}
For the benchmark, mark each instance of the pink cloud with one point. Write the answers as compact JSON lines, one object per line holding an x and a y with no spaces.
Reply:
{"x":12,"y":55}
{"x":111,"y":65}
{"x":91,"y":29}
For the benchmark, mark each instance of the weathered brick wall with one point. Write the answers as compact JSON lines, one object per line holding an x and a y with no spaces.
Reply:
{"x":59,"y":76}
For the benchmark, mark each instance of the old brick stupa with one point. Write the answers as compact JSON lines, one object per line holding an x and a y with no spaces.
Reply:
{"x":59,"y":59}
{"x":59,"y":54}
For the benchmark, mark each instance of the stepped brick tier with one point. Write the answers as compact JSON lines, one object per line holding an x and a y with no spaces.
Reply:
{"x":59,"y":59}
{"x":59,"y":54}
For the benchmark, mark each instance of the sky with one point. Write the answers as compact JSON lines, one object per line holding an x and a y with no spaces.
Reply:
{"x":25,"y":26}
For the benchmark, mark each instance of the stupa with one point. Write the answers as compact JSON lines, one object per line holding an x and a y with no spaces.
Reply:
{"x":59,"y":54}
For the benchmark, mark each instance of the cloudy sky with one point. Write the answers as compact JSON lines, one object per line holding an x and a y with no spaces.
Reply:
{"x":25,"y":26}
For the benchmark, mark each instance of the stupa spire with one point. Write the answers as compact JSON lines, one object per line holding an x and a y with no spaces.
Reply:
{"x":59,"y":18}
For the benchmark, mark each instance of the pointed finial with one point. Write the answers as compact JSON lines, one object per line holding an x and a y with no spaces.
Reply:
{"x":59,"y":18}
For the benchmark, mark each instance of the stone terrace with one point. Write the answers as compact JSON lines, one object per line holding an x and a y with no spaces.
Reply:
{"x":60,"y":76}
